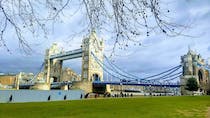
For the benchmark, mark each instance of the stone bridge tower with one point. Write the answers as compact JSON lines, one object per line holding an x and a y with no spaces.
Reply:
{"x":55,"y":65}
{"x":91,"y":70}
{"x":194,"y":66}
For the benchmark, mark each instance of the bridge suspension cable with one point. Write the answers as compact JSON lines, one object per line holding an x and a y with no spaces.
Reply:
{"x":177,"y":67}
{"x":173,"y":78}
{"x":97,"y":60}
{"x":118,"y":69}
{"x":166,"y":76}
{"x":40,"y":69}
{"x":108,"y":68}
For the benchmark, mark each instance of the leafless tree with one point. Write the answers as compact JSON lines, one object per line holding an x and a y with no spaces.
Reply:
{"x":124,"y":20}
{"x":28,"y":16}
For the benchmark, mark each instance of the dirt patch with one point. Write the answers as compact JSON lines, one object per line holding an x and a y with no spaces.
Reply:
{"x":208,"y":113}
{"x":190,"y":113}
{"x":185,"y":113}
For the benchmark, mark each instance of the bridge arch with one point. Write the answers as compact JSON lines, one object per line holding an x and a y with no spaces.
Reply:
{"x":96,"y":77}
{"x":55,"y":79}
{"x":201,"y":76}
{"x":207,"y":75}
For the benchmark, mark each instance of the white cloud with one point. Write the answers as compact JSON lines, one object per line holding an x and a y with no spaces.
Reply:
{"x":199,"y":11}
{"x":157,"y":53}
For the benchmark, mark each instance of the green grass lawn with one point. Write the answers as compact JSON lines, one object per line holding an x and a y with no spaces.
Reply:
{"x":143,"y":107}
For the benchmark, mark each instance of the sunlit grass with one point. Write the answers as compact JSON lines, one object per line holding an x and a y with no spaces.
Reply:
{"x":144,"y":107}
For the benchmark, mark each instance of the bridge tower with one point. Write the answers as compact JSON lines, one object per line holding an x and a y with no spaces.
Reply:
{"x":52,"y":68}
{"x":91,"y":70}
{"x":194,"y":66}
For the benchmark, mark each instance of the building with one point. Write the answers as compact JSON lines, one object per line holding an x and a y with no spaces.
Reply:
{"x":69,"y":75}
{"x":25,"y":77}
{"x":7,"y":79}
{"x":194,"y":66}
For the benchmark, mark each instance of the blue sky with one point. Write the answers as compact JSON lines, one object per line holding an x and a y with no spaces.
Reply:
{"x":157,"y":53}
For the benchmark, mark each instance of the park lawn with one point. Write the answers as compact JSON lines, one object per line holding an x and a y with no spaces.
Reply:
{"x":143,"y":107}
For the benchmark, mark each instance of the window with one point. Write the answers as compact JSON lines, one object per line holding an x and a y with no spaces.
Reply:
{"x":85,"y":65}
{"x":86,"y":58}
{"x":85,"y":74}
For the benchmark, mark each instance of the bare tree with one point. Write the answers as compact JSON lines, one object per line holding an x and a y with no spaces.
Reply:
{"x":25,"y":16}
{"x":124,"y":20}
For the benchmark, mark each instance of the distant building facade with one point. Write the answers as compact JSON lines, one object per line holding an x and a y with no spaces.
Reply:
{"x":194,"y":66}
{"x":7,"y":79}
{"x":25,"y":77}
{"x":69,"y":75}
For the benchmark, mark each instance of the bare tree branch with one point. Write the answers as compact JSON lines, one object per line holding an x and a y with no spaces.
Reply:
{"x":124,"y":20}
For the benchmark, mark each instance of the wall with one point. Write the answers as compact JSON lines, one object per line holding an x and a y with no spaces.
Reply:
{"x":39,"y":95}
{"x":83,"y":85}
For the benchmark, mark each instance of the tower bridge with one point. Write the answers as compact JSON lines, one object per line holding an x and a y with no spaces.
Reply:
{"x":91,"y":71}
{"x":95,"y":63}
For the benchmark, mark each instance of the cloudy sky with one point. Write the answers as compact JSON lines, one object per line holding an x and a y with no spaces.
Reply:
{"x":157,"y":53}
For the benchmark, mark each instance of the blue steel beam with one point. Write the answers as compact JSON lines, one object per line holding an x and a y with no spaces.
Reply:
{"x":74,"y":56}
{"x":137,"y":84}
{"x":66,"y":55}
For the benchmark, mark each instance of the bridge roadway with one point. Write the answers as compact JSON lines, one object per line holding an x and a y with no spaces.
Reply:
{"x":67,"y":55}
{"x":57,"y":84}
{"x":137,"y":84}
